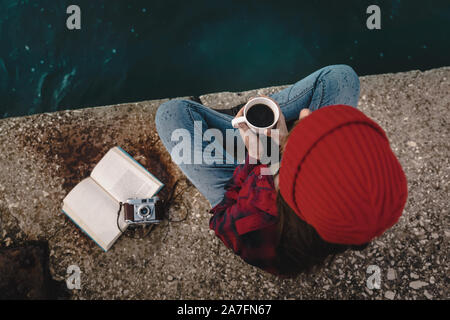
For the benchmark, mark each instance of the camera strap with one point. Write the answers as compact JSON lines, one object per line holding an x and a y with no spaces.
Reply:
{"x":118,"y":215}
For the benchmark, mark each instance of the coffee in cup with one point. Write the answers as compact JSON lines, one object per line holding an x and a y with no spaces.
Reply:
{"x":260,"y":114}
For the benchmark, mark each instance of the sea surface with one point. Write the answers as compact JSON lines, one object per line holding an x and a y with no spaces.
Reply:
{"x":136,"y":50}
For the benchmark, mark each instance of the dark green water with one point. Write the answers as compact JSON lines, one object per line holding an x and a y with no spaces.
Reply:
{"x":136,"y":50}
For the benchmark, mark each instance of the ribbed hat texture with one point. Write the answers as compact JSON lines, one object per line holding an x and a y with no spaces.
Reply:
{"x":339,"y":174}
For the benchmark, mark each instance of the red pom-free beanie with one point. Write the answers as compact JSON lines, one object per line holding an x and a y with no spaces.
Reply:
{"x":339,"y":174}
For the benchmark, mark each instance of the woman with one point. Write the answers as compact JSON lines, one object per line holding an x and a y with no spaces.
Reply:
{"x":339,"y":184}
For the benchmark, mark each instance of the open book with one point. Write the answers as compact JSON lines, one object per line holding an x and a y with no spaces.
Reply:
{"x":94,"y":202}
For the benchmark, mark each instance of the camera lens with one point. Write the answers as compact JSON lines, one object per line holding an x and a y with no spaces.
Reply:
{"x":144,"y":211}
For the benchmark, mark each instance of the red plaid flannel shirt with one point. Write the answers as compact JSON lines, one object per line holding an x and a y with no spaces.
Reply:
{"x":246,"y":219}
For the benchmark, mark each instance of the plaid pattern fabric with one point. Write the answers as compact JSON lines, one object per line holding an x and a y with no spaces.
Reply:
{"x":246,"y":219}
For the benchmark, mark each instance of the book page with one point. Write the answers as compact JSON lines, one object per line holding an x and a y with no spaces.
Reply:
{"x":94,"y":211}
{"x":123,"y":178}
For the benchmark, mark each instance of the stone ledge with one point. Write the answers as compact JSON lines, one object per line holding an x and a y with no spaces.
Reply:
{"x":43,"y":156}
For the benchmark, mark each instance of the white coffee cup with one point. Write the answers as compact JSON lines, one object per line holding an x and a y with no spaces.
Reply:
{"x":254,"y":101}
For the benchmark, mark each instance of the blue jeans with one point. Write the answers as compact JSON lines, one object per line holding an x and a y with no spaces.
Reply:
{"x":331,"y":85}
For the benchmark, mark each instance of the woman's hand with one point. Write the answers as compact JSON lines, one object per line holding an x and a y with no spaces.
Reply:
{"x":303,"y":114}
{"x":280,"y":126}
{"x":251,"y":140}
{"x":253,"y":144}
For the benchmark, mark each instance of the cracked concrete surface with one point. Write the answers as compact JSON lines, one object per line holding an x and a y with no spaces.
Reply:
{"x":43,"y":156}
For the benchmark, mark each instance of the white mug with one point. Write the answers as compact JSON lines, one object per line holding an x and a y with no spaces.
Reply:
{"x":258,"y":100}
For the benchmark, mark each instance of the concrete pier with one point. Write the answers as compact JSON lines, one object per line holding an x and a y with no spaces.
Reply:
{"x":43,"y":156}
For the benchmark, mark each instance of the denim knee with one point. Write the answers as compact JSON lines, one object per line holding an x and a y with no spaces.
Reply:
{"x":165,"y":114}
{"x":170,"y":116}
{"x":346,"y":74}
{"x":345,"y":81}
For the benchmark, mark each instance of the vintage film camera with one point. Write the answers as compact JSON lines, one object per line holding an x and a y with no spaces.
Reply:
{"x":143,"y":211}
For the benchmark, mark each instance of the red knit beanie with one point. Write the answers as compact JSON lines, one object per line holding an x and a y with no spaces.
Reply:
{"x":339,"y":174}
